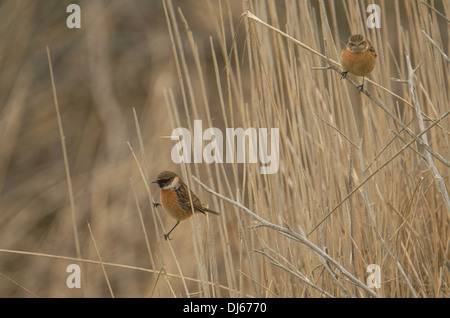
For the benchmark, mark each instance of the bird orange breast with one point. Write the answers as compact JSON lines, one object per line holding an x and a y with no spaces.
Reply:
{"x":169,"y":200}
{"x":361,"y":63}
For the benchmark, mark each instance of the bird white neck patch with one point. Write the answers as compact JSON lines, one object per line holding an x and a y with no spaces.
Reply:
{"x":175,"y":184}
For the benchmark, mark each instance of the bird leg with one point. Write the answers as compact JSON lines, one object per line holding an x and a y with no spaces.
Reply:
{"x":361,"y":87}
{"x":166,"y":236}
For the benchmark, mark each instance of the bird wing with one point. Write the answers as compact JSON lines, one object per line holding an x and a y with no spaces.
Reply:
{"x":185,"y":202}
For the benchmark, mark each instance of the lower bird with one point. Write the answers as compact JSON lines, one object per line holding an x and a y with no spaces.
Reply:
{"x":174,"y":195}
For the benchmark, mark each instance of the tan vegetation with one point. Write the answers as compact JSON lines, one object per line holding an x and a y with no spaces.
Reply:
{"x":358,"y":183}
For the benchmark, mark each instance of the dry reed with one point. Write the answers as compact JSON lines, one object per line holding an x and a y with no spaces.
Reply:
{"x":363,"y":178}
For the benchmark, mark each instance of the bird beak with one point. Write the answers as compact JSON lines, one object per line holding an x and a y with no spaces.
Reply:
{"x":156,"y":181}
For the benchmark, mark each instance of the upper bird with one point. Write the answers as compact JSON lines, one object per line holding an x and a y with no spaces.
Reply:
{"x":175,"y":199}
{"x":358,"y":57}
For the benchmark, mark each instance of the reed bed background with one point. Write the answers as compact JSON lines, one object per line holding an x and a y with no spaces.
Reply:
{"x":347,"y":194}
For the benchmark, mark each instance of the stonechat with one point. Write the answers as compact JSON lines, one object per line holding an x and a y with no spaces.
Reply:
{"x":358,"y":57}
{"x":174,"y":195}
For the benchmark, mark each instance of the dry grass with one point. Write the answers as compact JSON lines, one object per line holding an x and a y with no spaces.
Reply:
{"x":354,"y":186}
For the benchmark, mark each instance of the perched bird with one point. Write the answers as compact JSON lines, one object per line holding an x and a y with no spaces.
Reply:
{"x":175,"y":199}
{"x":358,"y":57}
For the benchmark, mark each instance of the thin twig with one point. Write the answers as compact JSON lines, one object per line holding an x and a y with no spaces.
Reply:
{"x":19,"y":285}
{"x":336,"y":129}
{"x":295,"y":272}
{"x":123,"y":266}
{"x":372,"y":220}
{"x":375,"y":172}
{"x":434,"y":9}
{"x":141,"y":219}
{"x":292,"y":235}
{"x":409,"y":131}
{"x":66,"y":160}
{"x":428,"y":157}
{"x":436,"y":46}
{"x":100,"y":260}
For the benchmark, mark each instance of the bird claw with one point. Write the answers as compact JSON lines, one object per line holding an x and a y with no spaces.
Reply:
{"x":343,"y":74}
{"x":360,"y":88}
{"x":166,"y":237}
{"x":156,"y":204}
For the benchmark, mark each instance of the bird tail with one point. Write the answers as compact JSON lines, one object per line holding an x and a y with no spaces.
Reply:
{"x":211,"y":211}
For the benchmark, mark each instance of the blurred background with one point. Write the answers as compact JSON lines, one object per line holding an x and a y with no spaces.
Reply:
{"x":122,"y":58}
